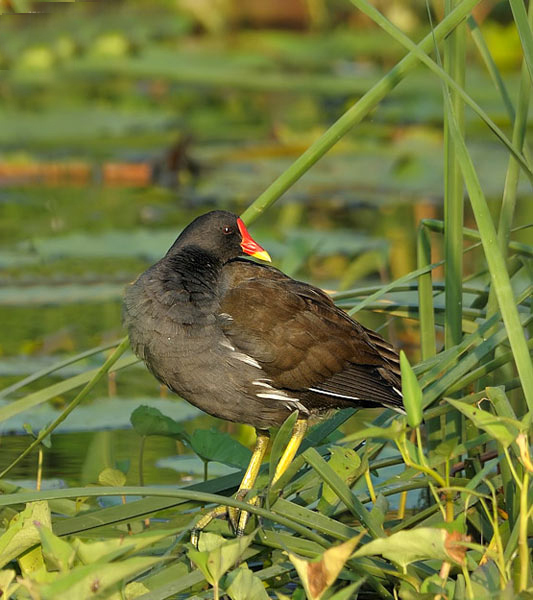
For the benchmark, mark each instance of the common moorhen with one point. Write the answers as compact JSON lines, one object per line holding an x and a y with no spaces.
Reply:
{"x":244,"y":342}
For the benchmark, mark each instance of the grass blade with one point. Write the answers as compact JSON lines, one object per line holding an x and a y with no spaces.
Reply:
{"x":343,"y":492}
{"x":524,"y":31}
{"x":496,"y":262}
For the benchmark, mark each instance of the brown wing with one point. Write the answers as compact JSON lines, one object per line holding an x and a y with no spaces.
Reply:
{"x":303,"y":342}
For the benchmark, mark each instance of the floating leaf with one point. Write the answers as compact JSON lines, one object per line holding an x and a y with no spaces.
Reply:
{"x":147,"y":420}
{"x":486,"y":582}
{"x":211,"y":444}
{"x":112,"y":478}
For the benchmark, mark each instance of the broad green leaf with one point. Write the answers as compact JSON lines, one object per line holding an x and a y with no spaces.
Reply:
{"x":133,"y":590}
{"x":242,"y":584}
{"x":210,"y":541}
{"x":406,"y":547}
{"x":318,"y":576}
{"x":211,"y":444}
{"x":57,"y":552}
{"x":345,"y":494}
{"x":502,"y":429}
{"x":446,"y":448}
{"x":486,"y":582}
{"x":22,"y":532}
{"x":86,"y":581}
{"x":200,"y":558}
{"x":221,"y":556}
{"x":8,"y":584}
{"x":412,"y":393}
{"x":345,"y":462}
{"x":432,"y":586}
{"x":348,"y":593}
{"x":112,"y":477}
{"x":221,"y":559}
{"x":110,"y":549}
{"x":147,"y":420}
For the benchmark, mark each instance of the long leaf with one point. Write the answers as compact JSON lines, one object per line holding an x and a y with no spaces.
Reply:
{"x":496,"y":262}
{"x":200,"y":497}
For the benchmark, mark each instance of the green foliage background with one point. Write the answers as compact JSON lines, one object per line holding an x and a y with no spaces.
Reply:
{"x":336,"y":524}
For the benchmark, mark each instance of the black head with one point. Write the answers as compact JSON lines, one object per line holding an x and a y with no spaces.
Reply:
{"x":221,"y":234}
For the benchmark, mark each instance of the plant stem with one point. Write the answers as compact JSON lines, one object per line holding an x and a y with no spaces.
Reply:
{"x":523,"y":547}
{"x":141,"y":460}
{"x":428,"y":343}
{"x":39,"y":468}
{"x":454,"y":65}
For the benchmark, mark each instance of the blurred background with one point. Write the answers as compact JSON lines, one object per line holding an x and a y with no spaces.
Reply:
{"x":122,"y":121}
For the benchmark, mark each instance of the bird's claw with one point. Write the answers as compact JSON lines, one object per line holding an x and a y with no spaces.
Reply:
{"x":237,"y":517}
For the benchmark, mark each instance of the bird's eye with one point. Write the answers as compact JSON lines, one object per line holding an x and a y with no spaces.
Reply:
{"x":227,"y":230}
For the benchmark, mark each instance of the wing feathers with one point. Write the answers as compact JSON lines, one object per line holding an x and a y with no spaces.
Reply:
{"x":305,"y":343}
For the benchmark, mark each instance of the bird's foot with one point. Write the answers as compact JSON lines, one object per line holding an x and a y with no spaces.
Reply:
{"x":236,"y":516}
{"x":204,"y":521}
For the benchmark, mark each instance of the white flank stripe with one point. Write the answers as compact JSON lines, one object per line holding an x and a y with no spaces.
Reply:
{"x":398,"y":392}
{"x":247,"y":359}
{"x":318,"y":391}
{"x":227,"y":344}
{"x":274,"y":396}
{"x":262,"y":383}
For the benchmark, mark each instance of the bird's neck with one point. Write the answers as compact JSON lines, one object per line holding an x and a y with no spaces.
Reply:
{"x":195,"y":270}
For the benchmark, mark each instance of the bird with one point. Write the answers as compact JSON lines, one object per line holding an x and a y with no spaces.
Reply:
{"x":244,"y":342}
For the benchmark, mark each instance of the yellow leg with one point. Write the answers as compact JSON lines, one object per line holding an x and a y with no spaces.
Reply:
{"x":247,"y":483}
{"x":298,"y":433}
{"x":250,"y":477}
